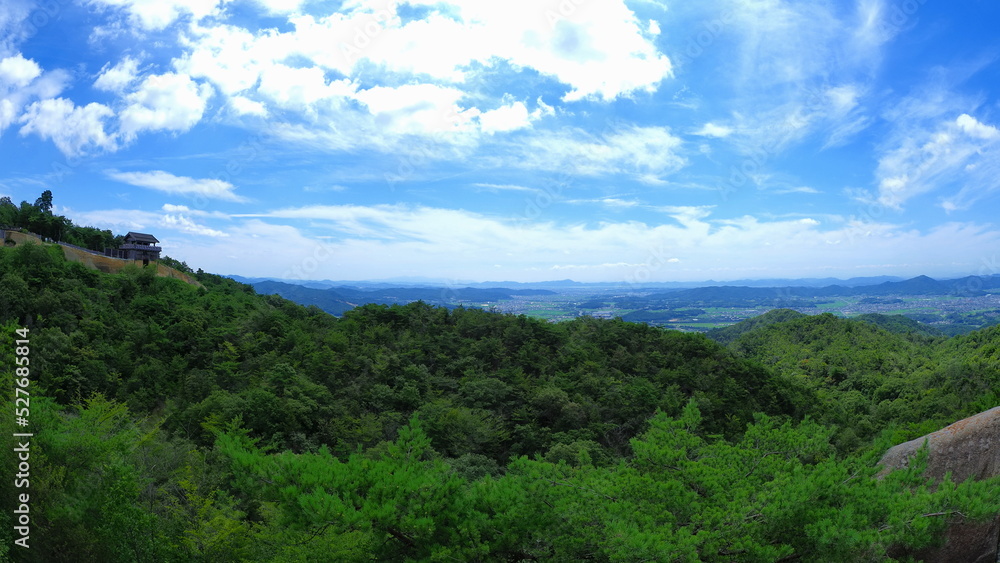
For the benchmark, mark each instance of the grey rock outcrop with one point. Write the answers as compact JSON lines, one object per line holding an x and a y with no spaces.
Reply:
{"x":969,"y":448}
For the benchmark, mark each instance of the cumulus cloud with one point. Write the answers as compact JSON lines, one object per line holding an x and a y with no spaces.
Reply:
{"x":118,"y":77}
{"x":17,"y":71}
{"x":231,"y":57}
{"x":179,"y":185}
{"x":416,"y":108}
{"x":23,"y":80}
{"x":506,"y":118}
{"x":73,"y":129}
{"x":598,"y":51}
{"x":246,"y":106}
{"x":300,"y":88}
{"x":168,"y":101}
{"x":713,"y":130}
{"x":314,"y":81}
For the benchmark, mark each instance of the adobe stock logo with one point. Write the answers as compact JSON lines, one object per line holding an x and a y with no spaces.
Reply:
{"x":899,"y":16}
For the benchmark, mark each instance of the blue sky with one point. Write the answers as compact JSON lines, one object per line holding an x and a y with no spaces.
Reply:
{"x":524,"y":140}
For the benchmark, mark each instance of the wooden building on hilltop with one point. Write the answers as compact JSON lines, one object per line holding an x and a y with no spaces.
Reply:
{"x":137,"y":246}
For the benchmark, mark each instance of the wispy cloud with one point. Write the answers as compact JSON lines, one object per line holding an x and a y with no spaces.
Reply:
{"x":321,"y":189}
{"x":480,"y":186}
{"x":186,"y":225}
{"x":803,"y":68}
{"x":610,"y":202}
{"x":641,"y":152}
{"x":178,"y":185}
{"x":963,"y":151}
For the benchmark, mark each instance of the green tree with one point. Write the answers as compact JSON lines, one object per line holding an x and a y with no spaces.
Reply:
{"x":44,"y":202}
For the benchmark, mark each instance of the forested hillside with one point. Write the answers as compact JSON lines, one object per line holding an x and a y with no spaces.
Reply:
{"x":867,"y":378}
{"x":182,"y":423}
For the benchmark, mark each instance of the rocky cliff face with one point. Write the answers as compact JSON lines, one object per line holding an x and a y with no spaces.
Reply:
{"x":970,"y":448}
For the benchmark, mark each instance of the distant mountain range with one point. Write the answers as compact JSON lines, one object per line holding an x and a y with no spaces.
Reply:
{"x":920,"y":285}
{"x":337,"y":300}
{"x":566,"y":284}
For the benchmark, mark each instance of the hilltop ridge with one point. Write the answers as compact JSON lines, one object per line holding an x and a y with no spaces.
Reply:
{"x":92,"y":259}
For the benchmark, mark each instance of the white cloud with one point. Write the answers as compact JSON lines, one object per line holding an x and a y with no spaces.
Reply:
{"x":506,"y":118}
{"x":154,"y":15}
{"x":961,"y":151}
{"x":281,"y":6}
{"x":385,"y":240}
{"x":13,"y":13}
{"x":8,"y":112}
{"x":17,"y":72}
{"x":268,"y":250}
{"x":180,"y":185}
{"x":73,"y":129}
{"x":363,"y":77}
{"x":648,"y":153}
{"x":794,"y":190}
{"x":186,"y":225}
{"x":123,"y":220}
{"x":117,"y":78}
{"x":232,"y":58}
{"x":973,"y":128}
{"x":417,"y":108}
{"x":542,"y":110}
{"x":800,"y":69}
{"x":843,"y":98}
{"x":185,"y":210}
{"x":300,"y":88}
{"x":713,"y":130}
{"x":505,"y":187}
{"x":118,"y":220}
{"x":166,"y":101}
{"x":246,"y":106}
{"x":611,"y":202}
{"x":599,"y":50}
{"x":22,"y":80}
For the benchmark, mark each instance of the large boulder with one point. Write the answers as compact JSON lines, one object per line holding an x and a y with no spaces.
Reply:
{"x":969,"y":448}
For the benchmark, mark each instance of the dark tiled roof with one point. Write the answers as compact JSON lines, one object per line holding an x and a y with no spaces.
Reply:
{"x":140,"y":237}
